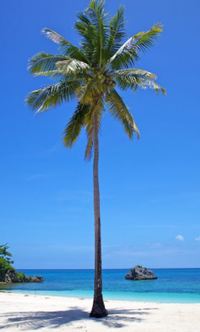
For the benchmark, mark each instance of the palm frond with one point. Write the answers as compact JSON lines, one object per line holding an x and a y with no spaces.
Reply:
{"x":120,"y":111}
{"x":117,"y":32}
{"x":144,"y":40}
{"x":44,"y":64}
{"x":97,"y":17}
{"x":92,"y":27}
{"x":76,"y":123}
{"x":124,"y":56}
{"x":89,"y":37}
{"x":52,"y":95}
{"x":151,"y":84}
{"x":135,"y":72}
{"x":137,"y":78}
{"x":69,"y":49}
{"x":130,"y":78}
{"x":87,"y":31}
{"x":71,"y":66}
{"x":77,"y":54}
{"x":55,"y":37}
{"x":128,"y":53}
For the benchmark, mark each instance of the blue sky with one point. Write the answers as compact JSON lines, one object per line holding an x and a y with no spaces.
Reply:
{"x":150,"y":188}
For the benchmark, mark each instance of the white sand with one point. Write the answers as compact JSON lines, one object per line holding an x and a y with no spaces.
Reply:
{"x":20,"y":312}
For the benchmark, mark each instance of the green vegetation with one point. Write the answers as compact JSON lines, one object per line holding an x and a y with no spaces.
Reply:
{"x":21,"y":277}
{"x":8,"y":274}
{"x":5,"y":261}
{"x":91,"y":73}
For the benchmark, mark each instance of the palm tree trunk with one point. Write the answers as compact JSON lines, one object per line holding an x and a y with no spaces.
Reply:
{"x":98,"y":308}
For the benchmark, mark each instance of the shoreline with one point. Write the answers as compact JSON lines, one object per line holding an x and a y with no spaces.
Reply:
{"x":19,"y":312}
{"x":53,"y":294}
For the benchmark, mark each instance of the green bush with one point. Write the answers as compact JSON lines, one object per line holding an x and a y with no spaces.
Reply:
{"x":5,"y":261}
{"x":20,"y":276}
{"x":4,"y":267}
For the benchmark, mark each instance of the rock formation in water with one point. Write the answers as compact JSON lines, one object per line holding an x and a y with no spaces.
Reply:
{"x":140,"y":273}
{"x":12,"y":276}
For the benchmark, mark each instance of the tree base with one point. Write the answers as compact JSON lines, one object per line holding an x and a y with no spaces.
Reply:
{"x":98,"y":308}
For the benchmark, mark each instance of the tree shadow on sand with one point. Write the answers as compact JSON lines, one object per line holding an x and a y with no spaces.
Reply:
{"x":117,"y":318}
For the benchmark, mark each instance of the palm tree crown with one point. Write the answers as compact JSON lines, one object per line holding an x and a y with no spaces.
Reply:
{"x":92,"y":71}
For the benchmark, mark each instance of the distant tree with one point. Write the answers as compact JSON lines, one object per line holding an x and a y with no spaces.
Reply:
{"x":5,"y":254}
{"x":91,"y":72}
{"x":5,"y":261}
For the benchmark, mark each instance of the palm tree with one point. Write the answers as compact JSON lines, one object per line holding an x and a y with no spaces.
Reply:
{"x":91,"y":73}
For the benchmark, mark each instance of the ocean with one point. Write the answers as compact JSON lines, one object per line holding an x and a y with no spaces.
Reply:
{"x":172,"y":285}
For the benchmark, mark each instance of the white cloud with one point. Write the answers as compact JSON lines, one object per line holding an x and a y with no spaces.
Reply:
{"x":197,"y":238}
{"x":180,"y":237}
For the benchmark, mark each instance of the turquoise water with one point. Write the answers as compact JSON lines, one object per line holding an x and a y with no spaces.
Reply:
{"x":172,"y":285}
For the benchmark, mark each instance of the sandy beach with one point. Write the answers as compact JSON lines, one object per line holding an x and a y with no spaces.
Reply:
{"x":19,"y":312}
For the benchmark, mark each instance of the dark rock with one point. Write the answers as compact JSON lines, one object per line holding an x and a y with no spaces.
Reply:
{"x":12,"y":276}
{"x":140,"y":273}
{"x":35,"y":279}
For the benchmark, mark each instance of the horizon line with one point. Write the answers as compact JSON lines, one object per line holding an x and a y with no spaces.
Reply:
{"x":121,"y":268}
